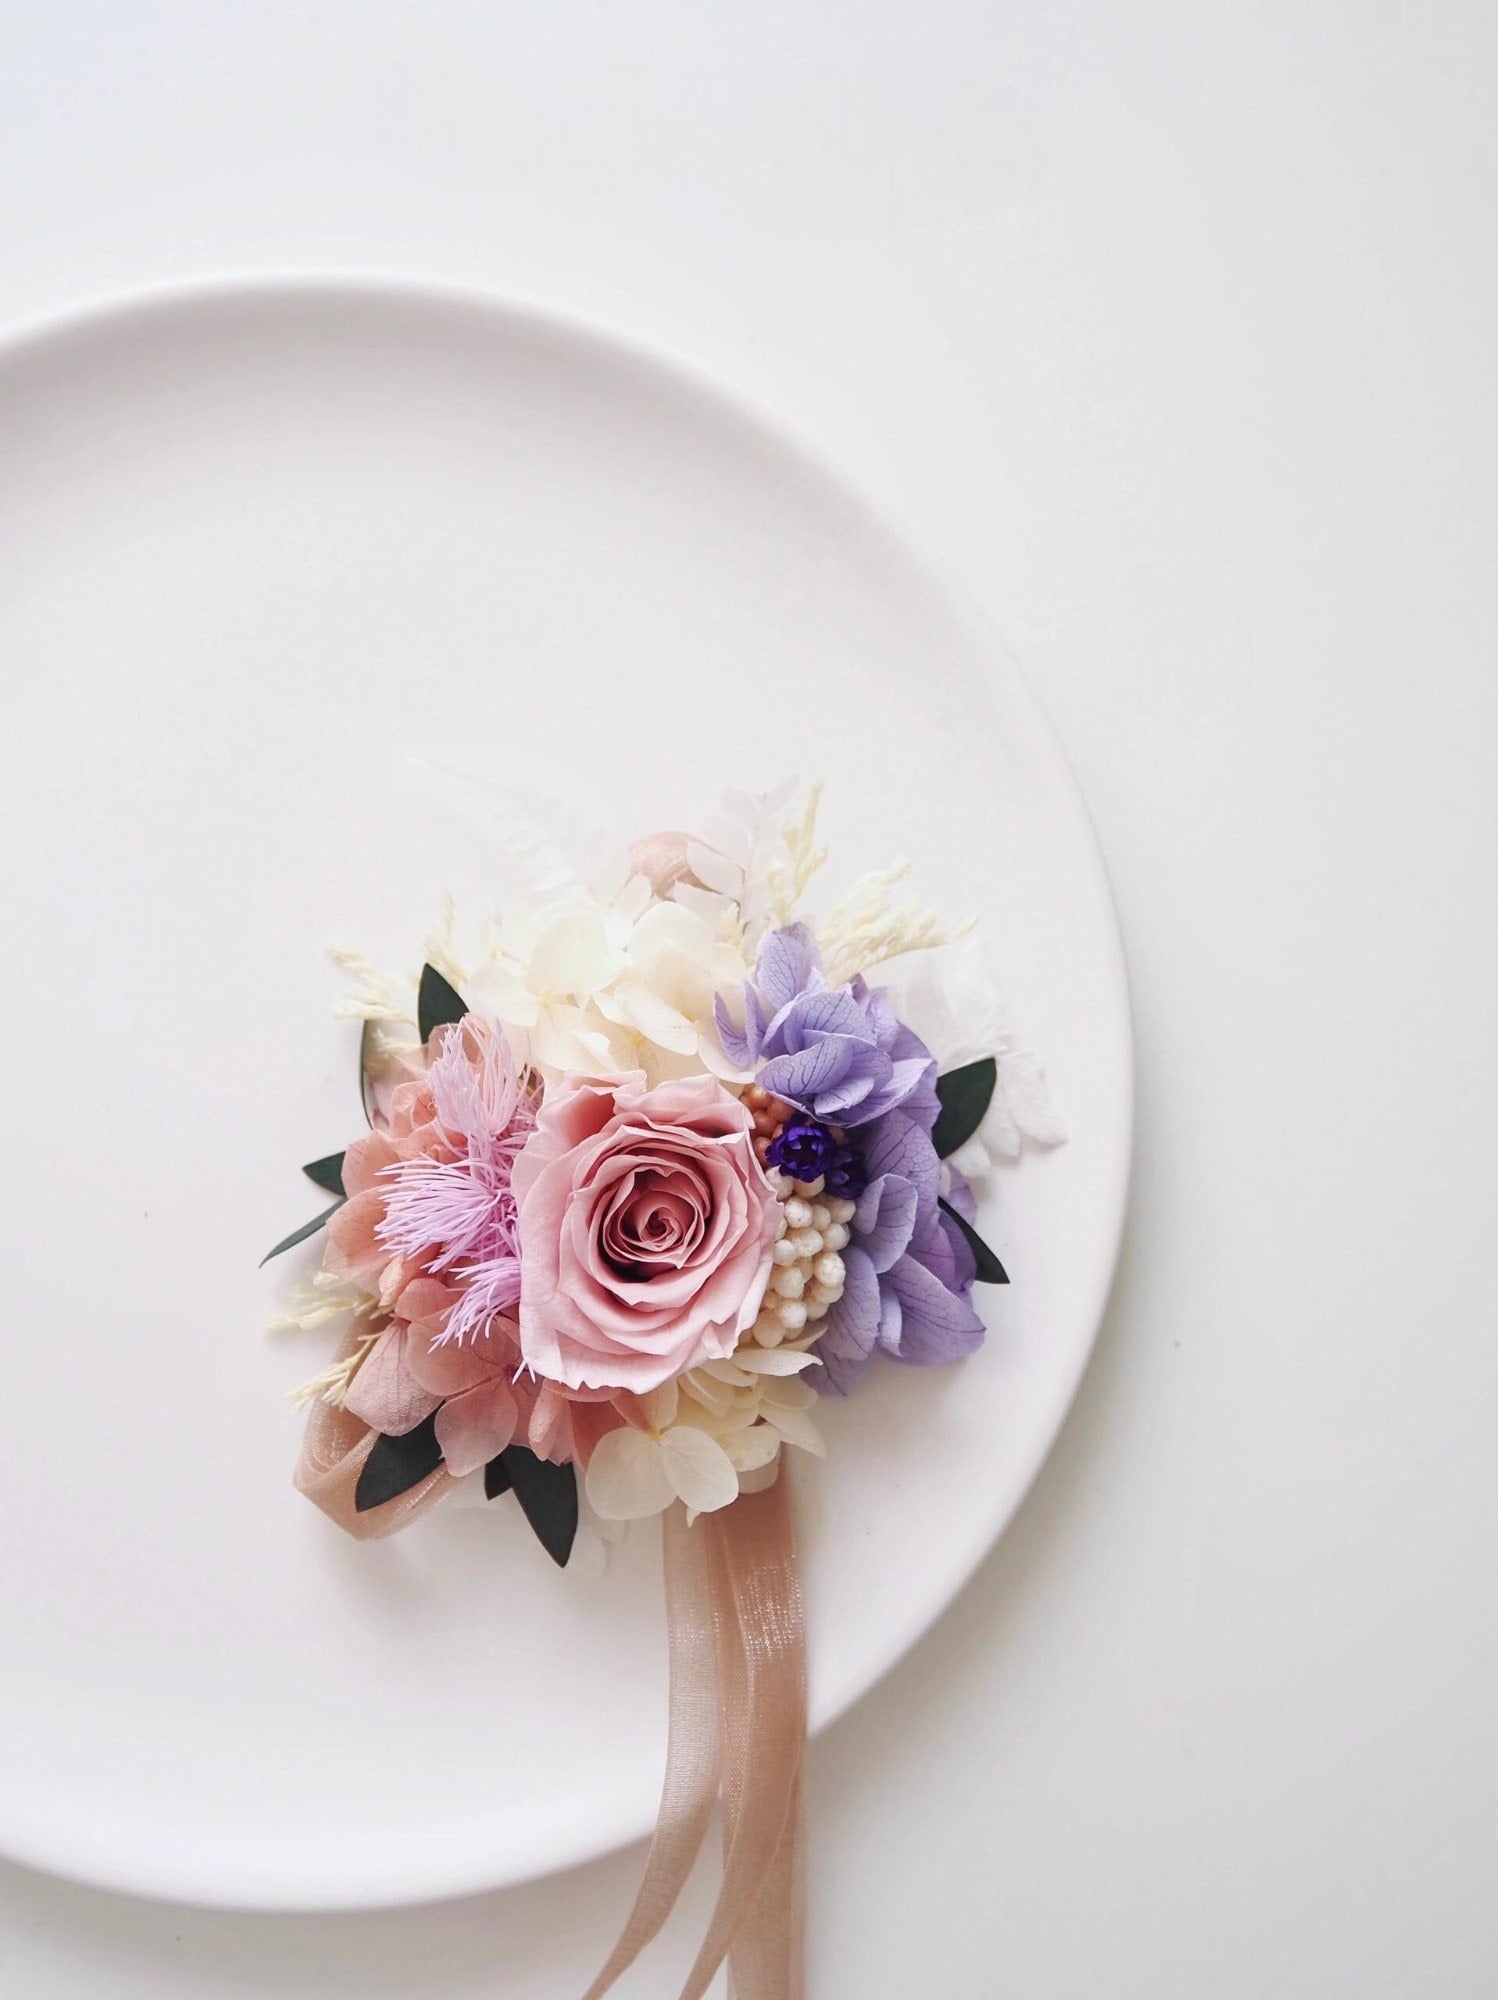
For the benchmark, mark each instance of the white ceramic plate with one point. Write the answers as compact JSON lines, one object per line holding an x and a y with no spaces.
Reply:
{"x":260,"y":544}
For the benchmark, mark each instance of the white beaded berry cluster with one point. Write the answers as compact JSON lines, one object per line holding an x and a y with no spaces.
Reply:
{"x":808,"y":1267}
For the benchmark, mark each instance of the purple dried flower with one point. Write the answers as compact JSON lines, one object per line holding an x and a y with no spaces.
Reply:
{"x":808,"y":1150}
{"x":804,"y":1148}
{"x":837,"y":1053}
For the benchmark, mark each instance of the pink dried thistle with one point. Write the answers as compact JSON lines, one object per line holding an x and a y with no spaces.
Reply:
{"x":456,"y":1216}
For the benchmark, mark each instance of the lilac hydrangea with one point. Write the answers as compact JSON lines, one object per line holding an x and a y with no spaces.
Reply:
{"x":837,"y":1052}
{"x":908,"y":1272}
{"x":843,"y":1058}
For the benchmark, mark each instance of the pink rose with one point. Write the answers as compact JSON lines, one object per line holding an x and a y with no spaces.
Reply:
{"x":646,"y":1226}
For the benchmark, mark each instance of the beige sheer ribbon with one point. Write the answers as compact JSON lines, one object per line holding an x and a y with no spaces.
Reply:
{"x":738,"y":1713}
{"x":335,"y":1445}
{"x":737,"y":1731}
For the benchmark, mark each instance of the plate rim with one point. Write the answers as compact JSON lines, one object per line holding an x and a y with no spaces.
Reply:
{"x":97,"y":313}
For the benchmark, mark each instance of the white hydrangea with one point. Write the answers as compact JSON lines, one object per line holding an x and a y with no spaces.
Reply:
{"x":951,"y":1000}
{"x":593,"y":986}
{"x":709,"y":1434}
{"x":754,"y":861}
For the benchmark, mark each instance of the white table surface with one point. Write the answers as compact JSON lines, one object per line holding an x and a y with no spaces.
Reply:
{"x":1170,"y":330}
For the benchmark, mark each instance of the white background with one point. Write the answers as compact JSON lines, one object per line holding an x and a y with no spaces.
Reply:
{"x":1170,"y":330}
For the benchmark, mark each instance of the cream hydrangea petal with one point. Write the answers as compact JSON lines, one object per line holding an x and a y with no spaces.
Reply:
{"x":668,"y":929}
{"x":751,"y":1449}
{"x":699,"y":1469}
{"x":635,"y":1001}
{"x":626,"y":1479}
{"x":705,"y":904}
{"x":775,"y":1360}
{"x":496,"y":989}
{"x":715,"y":870}
{"x":576,"y":1038}
{"x":790,"y":1395}
{"x":730,"y":837}
{"x":731,"y":1373}
{"x":708,"y":1391}
{"x":634,"y":898}
{"x":797,"y":1427}
{"x":760,"y":1478}
{"x":658,"y":1406}
{"x":740,"y":1413}
{"x":573,"y":952}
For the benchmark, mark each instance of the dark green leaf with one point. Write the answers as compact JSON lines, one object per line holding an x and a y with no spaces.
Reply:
{"x":300,"y":1235}
{"x":964,"y":1095}
{"x":548,"y":1494}
{"x":366,"y":1064}
{"x":496,"y":1478}
{"x":990,"y":1270}
{"x":326,"y":1173}
{"x":396,"y":1464}
{"x":436,"y":1002}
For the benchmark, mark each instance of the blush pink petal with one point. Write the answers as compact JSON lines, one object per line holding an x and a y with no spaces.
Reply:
{"x":353,"y":1249}
{"x":662,"y":859}
{"x":365,"y":1160}
{"x":426,"y":1302}
{"x":450,"y":1367}
{"x":384,"y":1393}
{"x":474,"y":1427}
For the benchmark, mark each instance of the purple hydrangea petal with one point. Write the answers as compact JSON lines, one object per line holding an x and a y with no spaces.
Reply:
{"x":801,"y":1076}
{"x":922,"y":1102}
{"x":936,"y":1325}
{"x":741,"y":1045}
{"x":840,"y":1374}
{"x":786,"y":965}
{"x":960,"y":1195}
{"x":872,"y":1063}
{"x":907,"y":1073}
{"x":879,"y":1010}
{"x":891,"y":1321}
{"x":812,"y":1015}
{"x":884,"y":1220}
{"x":847,"y":1101}
{"x":852,"y":1321}
{"x":943,"y":1250}
{"x":898,"y":1145}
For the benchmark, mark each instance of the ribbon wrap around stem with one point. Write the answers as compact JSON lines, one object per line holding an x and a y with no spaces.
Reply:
{"x":335,"y":1445}
{"x":737,"y":1733}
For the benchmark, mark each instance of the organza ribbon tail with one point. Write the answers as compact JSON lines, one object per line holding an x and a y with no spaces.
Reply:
{"x":738,"y":1648}
{"x":692,"y":1748}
